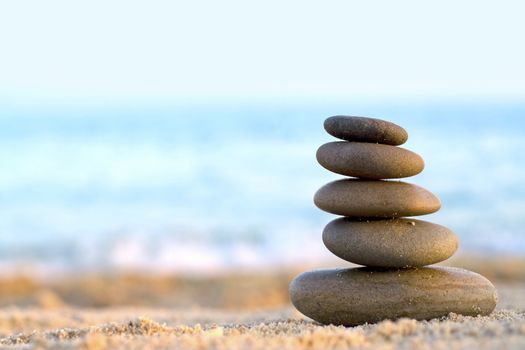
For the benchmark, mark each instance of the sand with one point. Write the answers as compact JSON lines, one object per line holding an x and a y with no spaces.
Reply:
{"x":71,"y":327}
{"x":277,"y":329}
{"x":235,"y":311}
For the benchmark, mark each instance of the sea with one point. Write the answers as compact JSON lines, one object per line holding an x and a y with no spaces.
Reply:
{"x":204,"y":187}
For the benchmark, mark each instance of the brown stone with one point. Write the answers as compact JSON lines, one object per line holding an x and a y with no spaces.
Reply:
{"x":375,"y":198}
{"x":364,"y":129}
{"x":390,"y":243}
{"x":366,"y":295}
{"x":369,"y":160}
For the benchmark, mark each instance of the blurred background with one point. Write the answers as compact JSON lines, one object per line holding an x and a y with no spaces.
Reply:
{"x":178,"y":138}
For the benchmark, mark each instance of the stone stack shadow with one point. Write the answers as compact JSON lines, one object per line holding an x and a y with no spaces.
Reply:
{"x":376,"y":231}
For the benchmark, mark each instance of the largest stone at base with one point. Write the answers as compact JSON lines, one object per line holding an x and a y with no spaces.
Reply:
{"x":355,"y":296}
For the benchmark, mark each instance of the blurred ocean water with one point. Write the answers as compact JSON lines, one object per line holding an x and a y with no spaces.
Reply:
{"x":209,"y":187}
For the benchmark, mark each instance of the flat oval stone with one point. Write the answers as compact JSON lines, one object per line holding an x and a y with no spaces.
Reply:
{"x":355,"y":296}
{"x":364,"y":129}
{"x":390,"y":243}
{"x":375,"y":198}
{"x":369,"y":160}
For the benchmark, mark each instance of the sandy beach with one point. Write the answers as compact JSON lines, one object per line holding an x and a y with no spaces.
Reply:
{"x":236,"y":175}
{"x":282,"y":328}
{"x":276,"y":329}
{"x":235,"y":311}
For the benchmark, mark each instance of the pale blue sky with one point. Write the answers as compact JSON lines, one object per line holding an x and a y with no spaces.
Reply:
{"x":172,"y":49}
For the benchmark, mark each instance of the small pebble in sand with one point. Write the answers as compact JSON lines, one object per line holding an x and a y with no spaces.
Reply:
{"x":365,"y":295}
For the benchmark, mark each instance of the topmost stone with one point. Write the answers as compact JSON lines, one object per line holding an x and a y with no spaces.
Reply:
{"x":363,"y":129}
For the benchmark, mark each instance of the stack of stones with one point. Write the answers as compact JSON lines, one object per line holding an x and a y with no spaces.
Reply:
{"x":375,"y":232}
